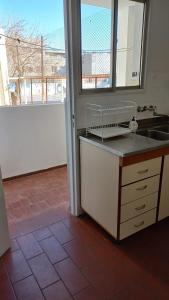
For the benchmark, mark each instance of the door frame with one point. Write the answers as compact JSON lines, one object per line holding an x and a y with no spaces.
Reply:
{"x":70,"y":17}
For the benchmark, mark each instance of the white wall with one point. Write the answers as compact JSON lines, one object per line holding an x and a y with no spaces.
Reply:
{"x":31,"y":138}
{"x":157,"y":84}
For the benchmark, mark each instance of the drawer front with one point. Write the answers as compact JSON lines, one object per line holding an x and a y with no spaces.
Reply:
{"x":130,"y":227}
{"x":139,"y":189}
{"x":141,"y":170}
{"x":138,"y":207}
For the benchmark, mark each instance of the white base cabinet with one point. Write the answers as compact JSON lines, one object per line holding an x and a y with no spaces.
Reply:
{"x":138,"y":207}
{"x":164,"y":199}
{"x":123,"y":200}
{"x":99,"y":186}
{"x":136,"y":224}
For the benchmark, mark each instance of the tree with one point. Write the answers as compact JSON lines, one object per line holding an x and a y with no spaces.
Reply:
{"x":23,"y":49}
{"x":29,"y":56}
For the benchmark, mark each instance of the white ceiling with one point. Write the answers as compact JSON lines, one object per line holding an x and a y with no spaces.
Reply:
{"x":101,"y":3}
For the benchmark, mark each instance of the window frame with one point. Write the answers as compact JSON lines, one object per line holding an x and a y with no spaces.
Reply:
{"x":142,"y":76}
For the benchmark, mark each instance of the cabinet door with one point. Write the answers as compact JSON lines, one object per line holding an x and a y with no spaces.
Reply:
{"x":100,"y":185}
{"x":164,"y":199}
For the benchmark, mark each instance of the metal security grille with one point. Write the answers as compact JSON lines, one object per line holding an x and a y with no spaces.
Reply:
{"x":96,"y":47}
{"x":112,"y":43}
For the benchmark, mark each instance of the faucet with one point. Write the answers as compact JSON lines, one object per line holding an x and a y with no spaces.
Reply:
{"x":152,"y":108}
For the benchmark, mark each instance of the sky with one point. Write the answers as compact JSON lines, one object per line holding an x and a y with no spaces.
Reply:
{"x":48,"y":18}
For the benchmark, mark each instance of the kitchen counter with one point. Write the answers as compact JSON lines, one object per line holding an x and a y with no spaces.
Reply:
{"x":127,"y":145}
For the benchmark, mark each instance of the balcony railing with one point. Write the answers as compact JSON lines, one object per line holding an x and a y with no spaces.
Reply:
{"x":96,"y":81}
{"x":50,"y":89}
{"x":31,"y":90}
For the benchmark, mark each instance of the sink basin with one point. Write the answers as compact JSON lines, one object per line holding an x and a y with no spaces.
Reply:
{"x":155,"y":134}
{"x":163,"y":128}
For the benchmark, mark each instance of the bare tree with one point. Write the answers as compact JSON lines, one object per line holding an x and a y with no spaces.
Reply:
{"x":23,"y":49}
{"x":29,"y":55}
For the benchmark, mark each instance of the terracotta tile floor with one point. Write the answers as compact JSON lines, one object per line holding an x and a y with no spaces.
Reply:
{"x":55,"y":256}
{"x":32,"y":195}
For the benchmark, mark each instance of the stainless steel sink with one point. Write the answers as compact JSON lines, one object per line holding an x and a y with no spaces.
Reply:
{"x":163,"y":128}
{"x":155,"y":134}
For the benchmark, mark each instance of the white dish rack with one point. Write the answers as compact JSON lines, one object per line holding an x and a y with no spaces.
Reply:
{"x":105,"y":120}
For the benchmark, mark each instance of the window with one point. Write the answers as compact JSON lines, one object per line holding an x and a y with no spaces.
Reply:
{"x":32,"y":53}
{"x":96,"y":36}
{"x":112,"y":43}
{"x":54,"y":69}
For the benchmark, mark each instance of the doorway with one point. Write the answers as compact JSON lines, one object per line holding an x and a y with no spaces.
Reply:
{"x":38,"y":87}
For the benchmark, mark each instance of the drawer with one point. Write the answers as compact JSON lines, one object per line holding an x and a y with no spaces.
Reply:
{"x":137,"y":224}
{"x":138,"y":207}
{"x":139,"y":189}
{"x":141,"y":170}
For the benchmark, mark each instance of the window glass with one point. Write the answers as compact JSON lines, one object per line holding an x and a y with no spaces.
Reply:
{"x":96,"y":41}
{"x":129,"y":43}
{"x":97,"y":51}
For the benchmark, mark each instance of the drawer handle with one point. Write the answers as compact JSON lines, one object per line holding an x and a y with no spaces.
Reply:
{"x":143,"y":171}
{"x":139,"y":225}
{"x":140,"y":207}
{"x":142,"y":188}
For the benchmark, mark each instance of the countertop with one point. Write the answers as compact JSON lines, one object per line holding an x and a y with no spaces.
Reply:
{"x":127,"y":145}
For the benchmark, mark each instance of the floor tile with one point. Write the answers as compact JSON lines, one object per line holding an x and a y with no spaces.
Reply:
{"x":42,"y":234}
{"x":6,"y":289}
{"x":137,"y":269}
{"x":28,"y":289}
{"x":32,"y":195}
{"x":149,"y":289}
{"x":29,"y":245}
{"x":16,"y":266}
{"x":57,"y":291}
{"x":71,"y":276}
{"x":105,"y":277}
{"x":80,"y":254}
{"x":90,"y":293}
{"x":43,"y":270}
{"x":14,"y":245}
{"x":53,"y":249}
{"x":60,"y":231}
{"x":123,"y":295}
{"x":35,"y":223}
{"x":83,"y":230}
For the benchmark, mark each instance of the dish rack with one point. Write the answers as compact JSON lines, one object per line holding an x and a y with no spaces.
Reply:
{"x":105,"y":121}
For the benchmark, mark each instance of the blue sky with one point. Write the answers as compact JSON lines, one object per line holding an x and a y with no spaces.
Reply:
{"x":48,"y":18}
{"x":47,"y":15}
